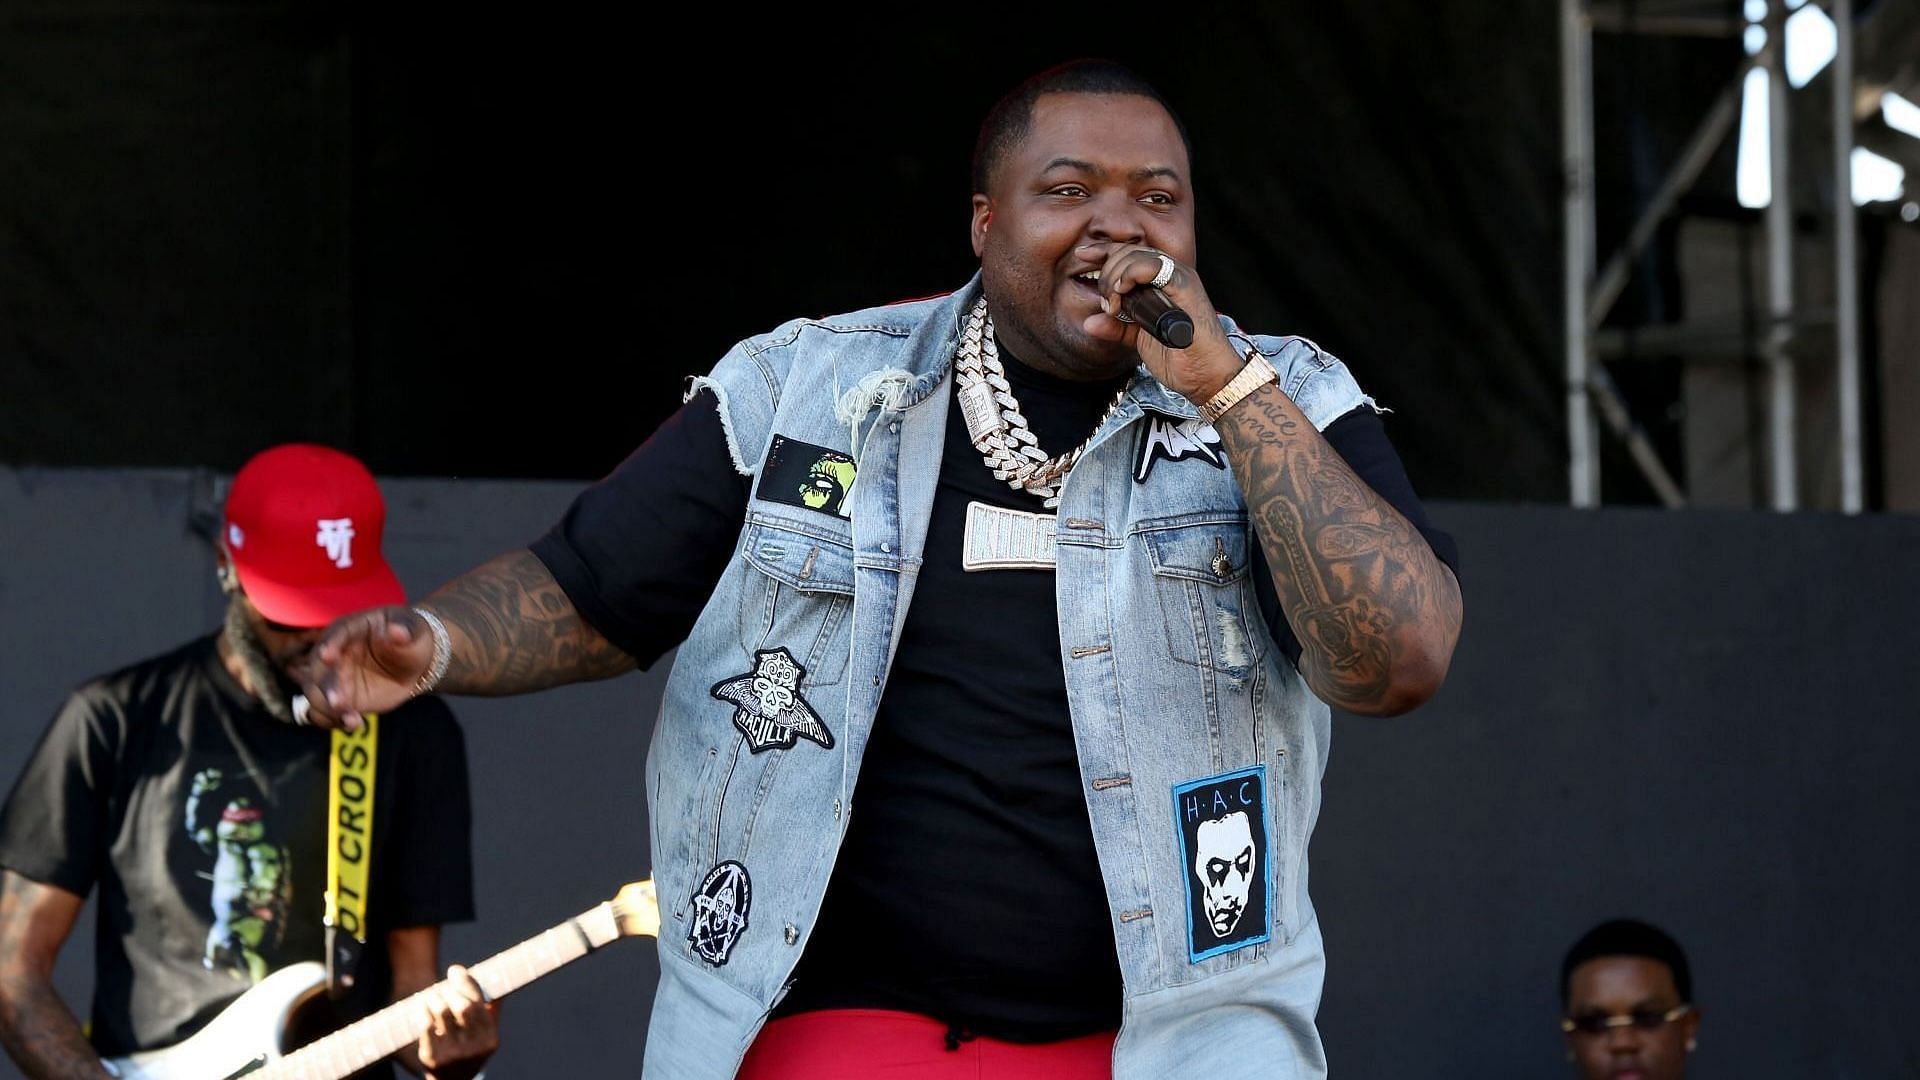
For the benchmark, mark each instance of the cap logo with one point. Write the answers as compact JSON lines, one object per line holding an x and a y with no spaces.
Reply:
{"x":336,"y":535}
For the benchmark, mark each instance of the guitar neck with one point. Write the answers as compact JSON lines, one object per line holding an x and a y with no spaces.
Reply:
{"x":400,"y":1024}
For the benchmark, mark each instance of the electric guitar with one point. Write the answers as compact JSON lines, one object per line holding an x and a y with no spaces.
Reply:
{"x":257,"y":1035}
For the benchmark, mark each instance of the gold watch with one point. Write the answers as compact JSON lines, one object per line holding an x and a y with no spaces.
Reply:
{"x":1257,"y":373}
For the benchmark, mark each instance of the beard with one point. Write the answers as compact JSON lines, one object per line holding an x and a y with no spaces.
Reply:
{"x":269,"y":687}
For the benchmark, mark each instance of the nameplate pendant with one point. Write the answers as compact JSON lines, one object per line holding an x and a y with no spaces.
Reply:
{"x":1001,"y":539}
{"x":981,"y":412}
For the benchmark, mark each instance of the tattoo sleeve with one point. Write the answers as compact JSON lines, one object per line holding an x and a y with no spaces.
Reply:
{"x":515,"y":630}
{"x":36,"y":1027}
{"x":1376,"y":614}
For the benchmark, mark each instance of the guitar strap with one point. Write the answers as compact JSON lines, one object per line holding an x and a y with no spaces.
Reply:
{"x":349,"y":849}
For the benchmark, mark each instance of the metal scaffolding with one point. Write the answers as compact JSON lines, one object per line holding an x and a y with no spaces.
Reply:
{"x":1591,"y":290}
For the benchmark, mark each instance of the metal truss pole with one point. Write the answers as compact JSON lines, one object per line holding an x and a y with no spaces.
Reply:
{"x":1846,"y":267}
{"x":1576,"y":140}
{"x":1779,"y":226}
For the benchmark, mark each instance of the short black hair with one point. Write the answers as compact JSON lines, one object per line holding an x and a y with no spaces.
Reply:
{"x":1012,"y":116}
{"x":1627,"y":937}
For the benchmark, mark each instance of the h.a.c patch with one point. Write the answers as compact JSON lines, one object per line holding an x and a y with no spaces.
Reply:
{"x":808,"y":476}
{"x":1174,"y":439}
{"x":767,"y":706}
{"x":720,"y":908}
{"x":1222,"y":821}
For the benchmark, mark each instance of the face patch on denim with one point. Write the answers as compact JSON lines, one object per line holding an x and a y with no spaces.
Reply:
{"x":808,"y":476}
{"x":1174,"y":439}
{"x":1224,"y":854}
{"x":720,"y":907}
{"x":767,"y":706}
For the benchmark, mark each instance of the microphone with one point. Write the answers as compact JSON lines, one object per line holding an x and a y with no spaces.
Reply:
{"x":1157,"y":315}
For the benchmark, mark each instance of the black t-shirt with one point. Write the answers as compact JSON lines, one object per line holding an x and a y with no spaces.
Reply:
{"x":971,"y":851}
{"x":202,"y":819}
{"x":967,"y":888}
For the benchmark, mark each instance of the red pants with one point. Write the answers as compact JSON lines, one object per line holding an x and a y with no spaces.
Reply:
{"x":878,"y":1044}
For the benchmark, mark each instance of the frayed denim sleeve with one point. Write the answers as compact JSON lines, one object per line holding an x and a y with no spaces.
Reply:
{"x":1317,"y":381}
{"x":747,"y":383}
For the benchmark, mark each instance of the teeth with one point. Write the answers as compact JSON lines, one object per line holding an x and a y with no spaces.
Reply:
{"x":1091,"y":275}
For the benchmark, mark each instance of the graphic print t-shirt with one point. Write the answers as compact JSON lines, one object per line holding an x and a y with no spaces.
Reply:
{"x":202,"y":821}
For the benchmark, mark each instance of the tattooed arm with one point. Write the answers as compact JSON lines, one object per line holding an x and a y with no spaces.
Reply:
{"x":618,"y":581}
{"x":511,"y":627}
{"x":514,"y":630}
{"x":1376,"y":613}
{"x":39,"y":1032}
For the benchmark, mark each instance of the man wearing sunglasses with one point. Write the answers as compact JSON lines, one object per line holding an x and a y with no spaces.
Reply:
{"x":190,"y":791}
{"x":1627,"y":1001}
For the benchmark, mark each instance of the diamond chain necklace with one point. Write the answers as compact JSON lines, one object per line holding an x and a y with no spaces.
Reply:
{"x":994,"y":421}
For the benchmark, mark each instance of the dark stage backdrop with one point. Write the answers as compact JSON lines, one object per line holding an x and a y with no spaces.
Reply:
{"x":493,"y":245}
{"x":1703,"y":719}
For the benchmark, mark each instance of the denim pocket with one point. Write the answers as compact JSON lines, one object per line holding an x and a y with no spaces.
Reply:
{"x":1200,"y":570}
{"x":800,"y":598}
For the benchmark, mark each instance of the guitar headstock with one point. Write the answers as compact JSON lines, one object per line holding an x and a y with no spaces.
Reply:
{"x":636,"y":910}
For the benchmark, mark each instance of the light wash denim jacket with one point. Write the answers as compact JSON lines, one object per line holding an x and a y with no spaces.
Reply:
{"x":1201,"y":749}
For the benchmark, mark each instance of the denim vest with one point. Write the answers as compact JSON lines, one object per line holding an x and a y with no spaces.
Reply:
{"x":1201,"y":749}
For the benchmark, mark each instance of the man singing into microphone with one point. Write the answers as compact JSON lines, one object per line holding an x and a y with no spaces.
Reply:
{"x":1007,"y":639}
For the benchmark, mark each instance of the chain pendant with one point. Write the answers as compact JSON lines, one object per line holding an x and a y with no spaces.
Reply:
{"x":994,"y":423}
{"x":981,"y":414}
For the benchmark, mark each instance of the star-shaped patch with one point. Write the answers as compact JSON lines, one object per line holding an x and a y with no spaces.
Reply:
{"x":1174,"y":439}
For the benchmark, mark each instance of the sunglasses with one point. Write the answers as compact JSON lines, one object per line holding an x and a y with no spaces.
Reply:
{"x":1645,"y":1020}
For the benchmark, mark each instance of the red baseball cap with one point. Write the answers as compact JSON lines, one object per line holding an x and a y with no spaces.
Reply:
{"x":303,"y":527}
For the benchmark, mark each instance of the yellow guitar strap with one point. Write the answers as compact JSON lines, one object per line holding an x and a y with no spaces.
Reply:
{"x":349,"y":848}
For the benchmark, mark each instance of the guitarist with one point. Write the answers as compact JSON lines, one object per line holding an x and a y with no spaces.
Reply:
{"x":189,"y":790}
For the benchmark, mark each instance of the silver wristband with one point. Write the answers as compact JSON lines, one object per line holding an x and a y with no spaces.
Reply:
{"x":442,"y":653}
